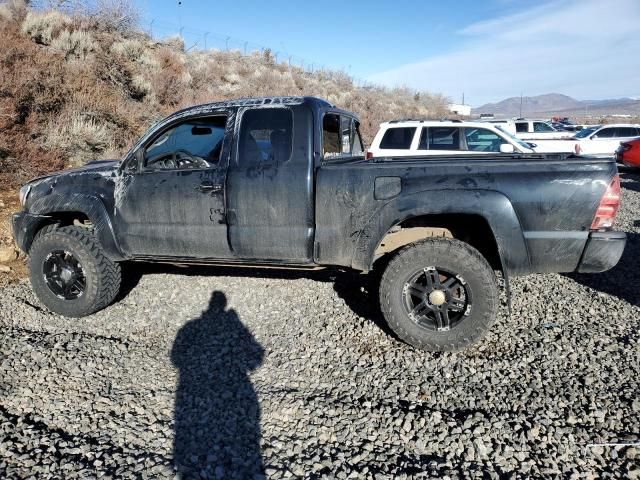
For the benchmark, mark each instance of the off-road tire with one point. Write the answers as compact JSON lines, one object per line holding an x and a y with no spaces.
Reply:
{"x":102,"y":275}
{"x":454,"y":256}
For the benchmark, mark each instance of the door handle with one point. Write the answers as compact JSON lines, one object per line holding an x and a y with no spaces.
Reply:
{"x":208,"y":187}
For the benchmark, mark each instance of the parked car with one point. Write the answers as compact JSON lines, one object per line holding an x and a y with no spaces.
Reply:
{"x":400,"y":138}
{"x":283,"y":182}
{"x":538,"y":130}
{"x":603,"y":140}
{"x":628,"y":153}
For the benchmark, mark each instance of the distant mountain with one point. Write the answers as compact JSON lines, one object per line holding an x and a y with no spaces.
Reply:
{"x":559,"y":104}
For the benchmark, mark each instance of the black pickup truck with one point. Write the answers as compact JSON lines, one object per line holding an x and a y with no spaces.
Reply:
{"x":283,"y":182}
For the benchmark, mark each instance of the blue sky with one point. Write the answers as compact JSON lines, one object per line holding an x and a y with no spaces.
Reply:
{"x":489,"y":49}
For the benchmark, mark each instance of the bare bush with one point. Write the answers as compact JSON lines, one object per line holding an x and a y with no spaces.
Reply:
{"x":81,"y":138}
{"x":119,"y":15}
{"x":42,"y":27}
{"x":13,"y":10}
{"x":77,"y":43}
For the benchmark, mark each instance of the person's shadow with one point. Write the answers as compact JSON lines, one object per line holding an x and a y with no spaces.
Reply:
{"x":217,"y":416}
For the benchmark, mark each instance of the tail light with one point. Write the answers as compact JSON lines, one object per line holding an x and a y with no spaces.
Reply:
{"x":577,"y":149}
{"x":608,"y":207}
{"x":369,"y":155}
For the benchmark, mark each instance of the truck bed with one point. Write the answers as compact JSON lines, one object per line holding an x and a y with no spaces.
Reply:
{"x":539,"y":207}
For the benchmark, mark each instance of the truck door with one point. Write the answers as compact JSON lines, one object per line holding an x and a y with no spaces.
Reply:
{"x":172,"y":203}
{"x":270,"y":208}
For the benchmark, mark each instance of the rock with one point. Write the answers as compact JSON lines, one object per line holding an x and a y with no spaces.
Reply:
{"x":8,"y":254}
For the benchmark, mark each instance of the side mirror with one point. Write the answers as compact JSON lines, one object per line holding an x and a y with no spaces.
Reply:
{"x":506,"y":148}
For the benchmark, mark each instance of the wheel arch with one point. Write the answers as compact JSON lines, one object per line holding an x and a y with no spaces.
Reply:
{"x":483,"y":218}
{"x":79,"y":209}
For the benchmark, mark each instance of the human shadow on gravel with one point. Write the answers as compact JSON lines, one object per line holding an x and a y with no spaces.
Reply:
{"x":217,"y":415}
{"x":622,"y":280}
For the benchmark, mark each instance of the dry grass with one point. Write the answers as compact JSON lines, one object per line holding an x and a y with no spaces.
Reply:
{"x":73,"y":87}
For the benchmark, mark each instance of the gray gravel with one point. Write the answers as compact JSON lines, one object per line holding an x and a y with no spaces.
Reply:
{"x":294,"y":375}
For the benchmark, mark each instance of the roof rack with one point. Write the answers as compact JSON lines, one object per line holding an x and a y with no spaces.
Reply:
{"x":422,"y":120}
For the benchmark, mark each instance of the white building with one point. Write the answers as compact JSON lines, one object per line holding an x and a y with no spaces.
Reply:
{"x":460,"y":109}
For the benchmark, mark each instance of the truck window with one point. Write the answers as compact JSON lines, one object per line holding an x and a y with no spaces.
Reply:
{"x":192,"y":144}
{"x":265,"y":136}
{"x":482,"y":140}
{"x":522,"y":127}
{"x":340,"y":136}
{"x":542,"y":127}
{"x":442,"y":138}
{"x":351,"y":141}
{"x":331,"y":143}
{"x":397,"y":138}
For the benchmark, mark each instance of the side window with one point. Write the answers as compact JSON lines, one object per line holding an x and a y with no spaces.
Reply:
{"x":482,"y":140}
{"x":606,"y":133}
{"x":541,"y":127}
{"x":331,"y":141}
{"x":350,"y":136}
{"x":192,"y":144}
{"x":522,"y":127}
{"x":626,"y":132}
{"x":398,"y":138}
{"x":266,"y":136}
{"x":444,"y":138}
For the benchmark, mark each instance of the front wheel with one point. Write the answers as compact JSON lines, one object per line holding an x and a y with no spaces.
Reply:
{"x":70,"y":273}
{"x":439,"y":294}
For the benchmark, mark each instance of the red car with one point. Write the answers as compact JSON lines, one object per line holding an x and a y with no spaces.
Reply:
{"x":628,"y":153}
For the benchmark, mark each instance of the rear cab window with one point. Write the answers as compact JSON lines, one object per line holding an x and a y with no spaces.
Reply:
{"x":522,"y":127}
{"x":341,"y":137}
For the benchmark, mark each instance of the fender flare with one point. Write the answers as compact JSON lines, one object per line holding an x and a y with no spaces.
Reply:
{"x":90,"y":205}
{"x":494,"y":207}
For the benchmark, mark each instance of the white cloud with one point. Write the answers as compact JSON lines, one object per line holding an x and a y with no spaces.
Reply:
{"x":583,"y":48}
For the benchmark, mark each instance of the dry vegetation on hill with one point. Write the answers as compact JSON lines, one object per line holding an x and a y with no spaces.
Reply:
{"x":75,"y":87}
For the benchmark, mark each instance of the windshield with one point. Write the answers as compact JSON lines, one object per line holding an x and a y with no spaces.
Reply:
{"x":513,"y":138}
{"x":585,"y":132}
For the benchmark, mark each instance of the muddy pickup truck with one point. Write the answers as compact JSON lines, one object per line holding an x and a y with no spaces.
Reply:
{"x":283,"y":182}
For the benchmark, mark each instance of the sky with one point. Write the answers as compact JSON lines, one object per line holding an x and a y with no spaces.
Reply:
{"x":489,"y":50}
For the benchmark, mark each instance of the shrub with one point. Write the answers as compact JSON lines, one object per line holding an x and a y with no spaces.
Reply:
{"x":75,"y":43}
{"x":42,"y":27}
{"x":81,"y":138}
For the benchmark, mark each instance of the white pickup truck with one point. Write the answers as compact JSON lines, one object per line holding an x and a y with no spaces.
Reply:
{"x":432,"y":137}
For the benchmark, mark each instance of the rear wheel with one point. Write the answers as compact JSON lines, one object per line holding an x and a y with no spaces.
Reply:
{"x":70,"y":273}
{"x":439,"y":294}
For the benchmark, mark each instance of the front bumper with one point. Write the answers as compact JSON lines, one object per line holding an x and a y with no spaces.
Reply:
{"x":25,"y":225}
{"x":603,"y":251}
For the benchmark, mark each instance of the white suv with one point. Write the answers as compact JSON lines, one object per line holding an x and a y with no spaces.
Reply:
{"x":426,"y":137}
{"x":603,"y":140}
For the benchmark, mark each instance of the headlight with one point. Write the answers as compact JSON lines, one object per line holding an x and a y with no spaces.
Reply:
{"x":24,"y":193}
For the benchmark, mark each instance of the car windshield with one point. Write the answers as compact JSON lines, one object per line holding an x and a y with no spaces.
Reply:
{"x":513,"y":138}
{"x":585,"y":132}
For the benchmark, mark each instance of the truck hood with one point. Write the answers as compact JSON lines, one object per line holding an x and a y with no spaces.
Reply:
{"x":101,"y":167}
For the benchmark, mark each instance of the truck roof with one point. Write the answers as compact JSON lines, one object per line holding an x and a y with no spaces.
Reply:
{"x":255,"y":102}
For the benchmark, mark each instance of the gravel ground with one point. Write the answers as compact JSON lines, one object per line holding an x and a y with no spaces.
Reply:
{"x":294,"y":374}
